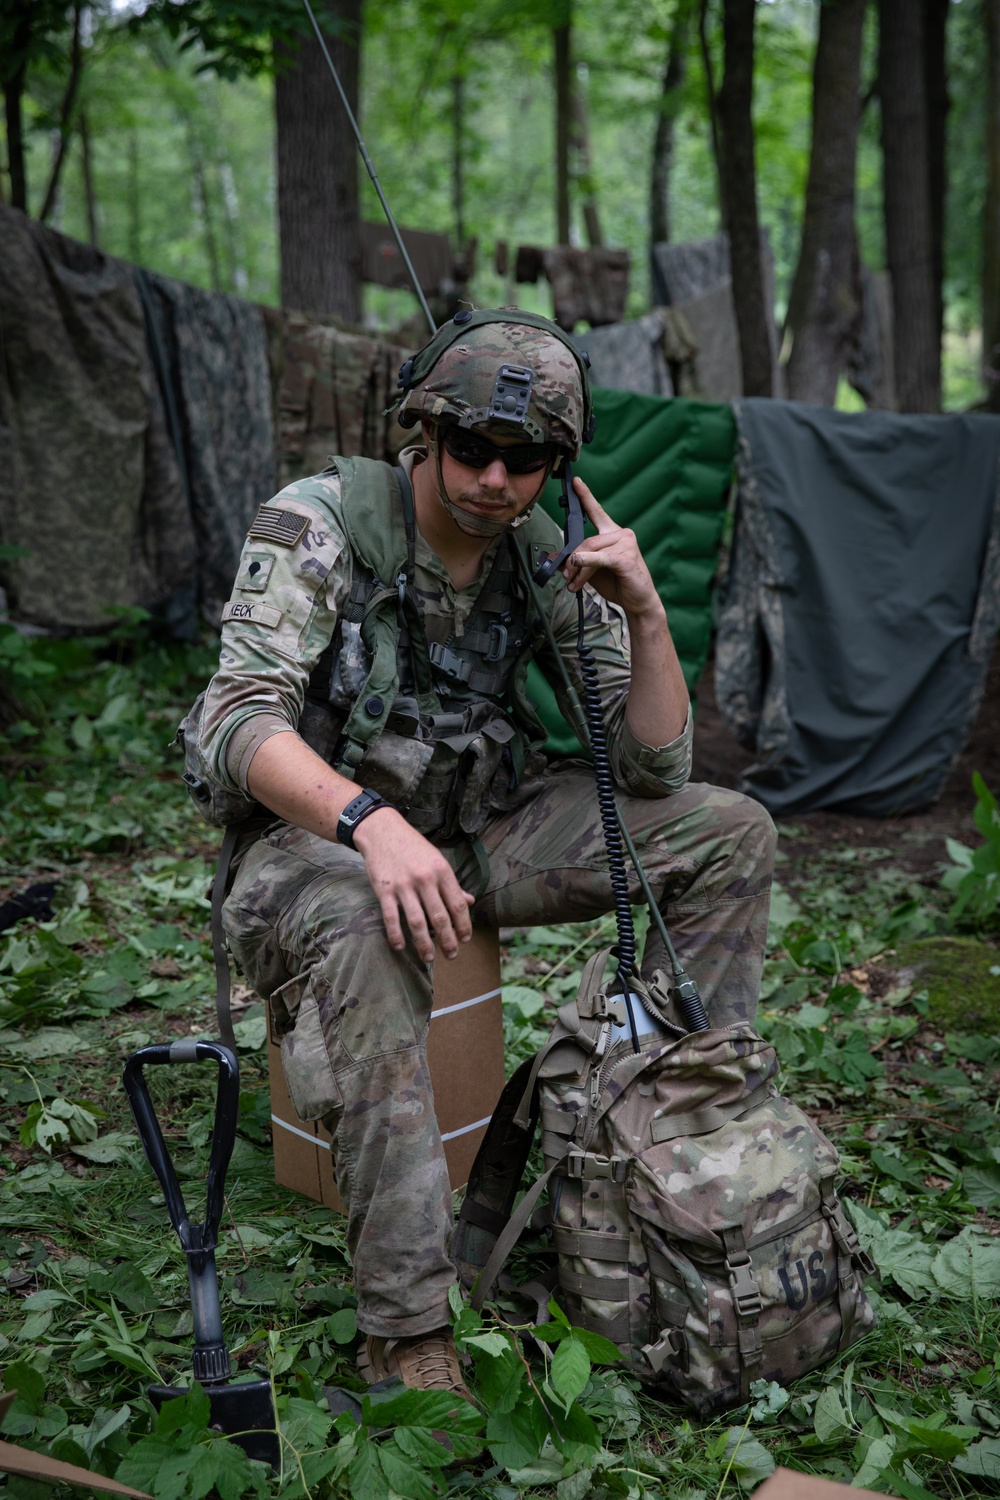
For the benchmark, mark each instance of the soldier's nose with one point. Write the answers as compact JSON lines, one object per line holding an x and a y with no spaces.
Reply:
{"x":494,"y":476}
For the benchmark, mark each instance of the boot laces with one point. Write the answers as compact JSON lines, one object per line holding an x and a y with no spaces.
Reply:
{"x":431,"y":1363}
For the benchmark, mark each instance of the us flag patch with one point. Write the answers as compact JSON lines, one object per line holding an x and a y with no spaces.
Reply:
{"x":285,"y":527}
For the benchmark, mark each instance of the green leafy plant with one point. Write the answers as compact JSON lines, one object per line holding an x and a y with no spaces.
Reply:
{"x":974,"y":876}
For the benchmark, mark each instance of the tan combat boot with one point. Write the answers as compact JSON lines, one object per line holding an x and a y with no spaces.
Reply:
{"x":427,"y":1362}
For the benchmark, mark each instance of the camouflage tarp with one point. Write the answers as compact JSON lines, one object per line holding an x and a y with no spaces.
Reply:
{"x":87,"y":481}
{"x":333,"y":389}
{"x":217,"y":348}
{"x":863,"y":602}
{"x":136,"y":427}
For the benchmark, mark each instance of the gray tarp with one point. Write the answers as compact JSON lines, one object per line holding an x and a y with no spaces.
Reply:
{"x":695,"y":279}
{"x":629,"y":356}
{"x":863,"y":602}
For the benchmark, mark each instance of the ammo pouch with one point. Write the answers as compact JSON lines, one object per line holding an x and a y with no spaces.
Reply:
{"x":693,"y":1209}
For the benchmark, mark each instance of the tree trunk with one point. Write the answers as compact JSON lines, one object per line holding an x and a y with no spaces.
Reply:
{"x":739,"y":190}
{"x":134,"y":225}
{"x":938,"y":104}
{"x":318,"y":207}
{"x":87,"y":167}
{"x":457,"y":158}
{"x":712,"y":99}
{"x":584,"y":174}
{"x":65,"y":115}
{"x":203,"y":206}
{"x":823,"y":306}
{"x":907,"y":199}
{"x":561,"y":42}
{"x":991,"y":226}
{"x":12,"y":96}
{"x":663,"y":142}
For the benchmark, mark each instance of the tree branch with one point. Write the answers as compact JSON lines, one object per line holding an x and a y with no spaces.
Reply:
{"x":66,"y":113}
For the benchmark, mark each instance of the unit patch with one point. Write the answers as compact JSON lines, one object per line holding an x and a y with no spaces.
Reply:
{"x":255,"y":613}
{"x":255,"y":570}
{"x":286,"y":527}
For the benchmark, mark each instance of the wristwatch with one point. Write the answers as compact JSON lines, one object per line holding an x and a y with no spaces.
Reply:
{"x":355,"y":812}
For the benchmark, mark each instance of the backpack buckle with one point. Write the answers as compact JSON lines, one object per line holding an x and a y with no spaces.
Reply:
{"x":586,"y":1166}
{"x":671,"y":1345}
{"x":743,"y":1285}
{"x":846,"y":1237}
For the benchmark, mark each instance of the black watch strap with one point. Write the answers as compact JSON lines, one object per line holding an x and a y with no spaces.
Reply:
{"x":355,"y":812}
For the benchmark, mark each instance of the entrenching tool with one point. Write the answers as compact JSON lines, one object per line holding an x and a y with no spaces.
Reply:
{"x":244,"y":1411}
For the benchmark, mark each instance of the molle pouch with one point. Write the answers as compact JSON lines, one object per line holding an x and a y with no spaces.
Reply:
{"x":216,"y":803}
{"x":480,"y":763}
{"x":395,"y":766}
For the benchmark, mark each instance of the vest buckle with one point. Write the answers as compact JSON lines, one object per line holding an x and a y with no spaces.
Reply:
{"x":498,"y":642}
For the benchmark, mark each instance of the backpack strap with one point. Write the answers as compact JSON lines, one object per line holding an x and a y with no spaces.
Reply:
{"x":496,"y":1175}
{"x":747,"y":1302}
{"x":850,"y":1259}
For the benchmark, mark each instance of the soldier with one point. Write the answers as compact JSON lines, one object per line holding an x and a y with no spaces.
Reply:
{"x":381,"y":624}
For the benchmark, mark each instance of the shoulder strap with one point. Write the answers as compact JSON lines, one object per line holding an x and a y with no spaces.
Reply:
{"x":223,"y":979}
{"x":496,"y":1175}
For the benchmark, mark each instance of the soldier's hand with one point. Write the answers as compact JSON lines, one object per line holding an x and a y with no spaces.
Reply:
{"x":414,"y":883}
{"x":611,"y":562}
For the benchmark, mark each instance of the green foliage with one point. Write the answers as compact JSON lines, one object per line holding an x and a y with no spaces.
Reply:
{"x":95,"y":1288}
{"x":974,"y":876}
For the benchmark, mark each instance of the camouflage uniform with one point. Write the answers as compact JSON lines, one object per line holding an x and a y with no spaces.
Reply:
{"x":306,"y":929}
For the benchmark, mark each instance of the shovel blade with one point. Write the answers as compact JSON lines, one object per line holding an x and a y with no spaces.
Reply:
{"x":244,"y":1413}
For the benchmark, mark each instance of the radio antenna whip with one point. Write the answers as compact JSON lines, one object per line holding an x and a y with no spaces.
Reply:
{"x":372,"y":173}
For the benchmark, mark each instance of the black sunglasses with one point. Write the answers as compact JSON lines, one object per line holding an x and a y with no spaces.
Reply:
{"x":475,"y":452}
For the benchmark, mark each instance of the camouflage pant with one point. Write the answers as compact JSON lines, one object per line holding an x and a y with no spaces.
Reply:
{"x":307,"y":931}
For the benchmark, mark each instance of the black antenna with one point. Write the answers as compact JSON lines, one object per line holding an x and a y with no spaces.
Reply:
{"x":372,"y":173}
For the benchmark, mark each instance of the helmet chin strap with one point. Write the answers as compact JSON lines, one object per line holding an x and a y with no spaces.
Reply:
{"x":467,"y":522}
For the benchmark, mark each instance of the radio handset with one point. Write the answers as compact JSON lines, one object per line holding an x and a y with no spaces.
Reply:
{"x":574,"y":529}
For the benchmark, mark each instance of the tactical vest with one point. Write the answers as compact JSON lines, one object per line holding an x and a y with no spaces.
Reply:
{"x":439,"y":724}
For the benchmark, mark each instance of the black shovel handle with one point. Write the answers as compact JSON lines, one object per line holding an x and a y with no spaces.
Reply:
{"x":227,"y":1101}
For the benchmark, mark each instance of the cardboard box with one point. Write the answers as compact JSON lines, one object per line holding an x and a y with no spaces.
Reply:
{"x":786,"y":1484}
{"x":465,"y":1051}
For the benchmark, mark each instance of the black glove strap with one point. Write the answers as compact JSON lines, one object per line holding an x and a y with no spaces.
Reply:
{"x":355,"y":812}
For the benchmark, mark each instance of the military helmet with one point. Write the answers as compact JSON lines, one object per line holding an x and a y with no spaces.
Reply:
{"x":503,"y":371}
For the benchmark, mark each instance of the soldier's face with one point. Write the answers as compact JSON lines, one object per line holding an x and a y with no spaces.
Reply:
{"x":491,"y":490}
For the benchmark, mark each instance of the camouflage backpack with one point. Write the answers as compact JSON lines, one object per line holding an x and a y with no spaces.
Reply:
{"x":693,"y":1209}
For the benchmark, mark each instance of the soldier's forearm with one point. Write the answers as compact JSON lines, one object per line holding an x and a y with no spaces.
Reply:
{"x":295,"y":783}
{"x":657,"y":704}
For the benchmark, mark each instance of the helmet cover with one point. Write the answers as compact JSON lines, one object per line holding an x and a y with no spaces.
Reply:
{"x":462,"y":382}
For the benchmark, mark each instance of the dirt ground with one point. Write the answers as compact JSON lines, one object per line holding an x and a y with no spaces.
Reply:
{"x":914,"y":841}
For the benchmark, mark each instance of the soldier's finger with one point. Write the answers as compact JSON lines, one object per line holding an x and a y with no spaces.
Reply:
{"x":441,"y":926}
{"x":593,"y":509}
{"x":459,"y":903}
{"x":390,"y":920}
{"x":416,"y":921}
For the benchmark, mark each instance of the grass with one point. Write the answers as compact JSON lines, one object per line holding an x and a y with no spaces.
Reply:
{"x":859,"y":984}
